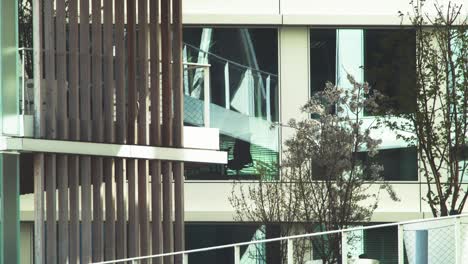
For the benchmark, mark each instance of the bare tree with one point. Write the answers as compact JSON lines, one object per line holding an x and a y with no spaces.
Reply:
{"x":438,"y":126}
{"x":326,"y":178}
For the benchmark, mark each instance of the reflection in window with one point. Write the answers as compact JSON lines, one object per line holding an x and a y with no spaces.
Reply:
{"x":400,"y":164}
{"x":243,"y":101}
{"x":386,"y":58}
{"x":390,"y":66}
{"x":208,"y":235}
{"x":322,"y":58}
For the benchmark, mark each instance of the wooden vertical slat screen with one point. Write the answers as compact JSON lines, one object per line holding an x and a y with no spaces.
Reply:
{"x":102,"y":84}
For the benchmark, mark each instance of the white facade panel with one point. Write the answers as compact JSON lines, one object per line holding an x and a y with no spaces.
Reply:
{"x":294,"y":74}
{"x":342,"y":7}
{"x":257,"y":7}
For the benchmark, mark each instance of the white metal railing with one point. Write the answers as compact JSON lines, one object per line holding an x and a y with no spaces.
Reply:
{"x":455,"y":221}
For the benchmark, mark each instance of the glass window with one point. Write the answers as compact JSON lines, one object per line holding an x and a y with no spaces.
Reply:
{"x":400,"y":164}
{"x":390,"y":66}
{"x":322,"y":58}
{"x":211,"y":234}
{"x":386,"y":58}
{"x":243,"y":102}
{"x":381,"y":244}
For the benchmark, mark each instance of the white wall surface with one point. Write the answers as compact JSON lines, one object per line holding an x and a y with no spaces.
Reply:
{"x":266,"y":7}
{"x":300,"y":12}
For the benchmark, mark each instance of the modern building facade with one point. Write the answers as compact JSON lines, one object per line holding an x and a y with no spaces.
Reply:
{"x":246,"y":65}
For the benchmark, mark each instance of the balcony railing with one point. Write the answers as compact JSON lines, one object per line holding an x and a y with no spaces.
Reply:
{"x":435,"y":240}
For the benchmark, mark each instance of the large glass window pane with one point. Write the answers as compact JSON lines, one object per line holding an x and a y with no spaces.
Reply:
{"x":322,"y":58}
{"x":243,"y":101}
{"x":383,"y":57}
{"x":390,"y":65}
{"x":381,"y":244}
{"x":206,"y":235}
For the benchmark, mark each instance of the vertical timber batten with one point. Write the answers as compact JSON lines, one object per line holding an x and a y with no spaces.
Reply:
{"x":74,"y":124}
{"x":62,"y":132}
{"x":155,"y":135}
{"x":178,"y":130}
{"x":131,"y":134}
{"x":142,"y":127}
{"x":109,"y":247}
{"x":50,"y":159}
{"x":85,"y":128}
{"x":121,"y":131}
{"x":97,"y":162}
{"x":39,"y":132}
{"x":166,"y":46}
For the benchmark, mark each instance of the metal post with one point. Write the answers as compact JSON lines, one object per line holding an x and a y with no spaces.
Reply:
{"x":344,"y":248}
{"x":290,"y":253}
{"x":268,"y":97}
{"x":401,"y":258}
{"x":236,"y":255}
{"x":457,"y":241}
{"x":186,"y":69}
{"x":185,"y":259}
{"x":207,"y":96}
{"x":227,"y":89}
{"x":23,"y":90}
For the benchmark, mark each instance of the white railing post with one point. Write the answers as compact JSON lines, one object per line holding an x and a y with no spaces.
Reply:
{"x":344,"y":248}
{"x":23,"y":86}
{"x":185,"y":259}
{"x":268,"y":97}
{"x":290,"y":252}
{"x":236,"y":255}
{"x":457,"y":240}
{"x":207,"y":96}
{"x":227,"y":89}
{"x":401,"y":252}
{"x":186,"y":73}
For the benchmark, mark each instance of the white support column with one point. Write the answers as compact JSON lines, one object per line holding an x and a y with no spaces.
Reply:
{"x":401,"y":252}
{"x":294,"y":84}
{"x":185,"y":259}
{"x":458,"y":241}
{"x":206,"y":96}
{"x":236,"y":255}
{"x":290,"y":253}
{"x":227,"y":88}
{"x":344,"y":248}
